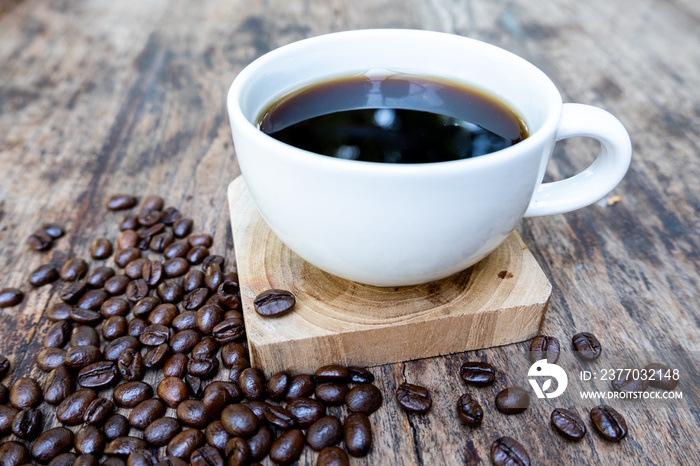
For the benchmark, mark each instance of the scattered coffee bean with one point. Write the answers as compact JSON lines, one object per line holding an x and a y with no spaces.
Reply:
{"x":568,"y":424}
{"x":330,"y":393}
{"x":157,"y":356}
{"x":469,"y":411}
{"x":414,"y":398}
{"x":27,"y":423}
{"x":92,"y":299}
{"x":172,"y":391}
{"x":512,"y":400}
{"x":101,"y":248}
{"x":84,"y":335}
{"x":117,"y":346}
{"x":609,"y":423}
{"x":185,"y":443}
{"x":184,"y":341}
{"x":124,"y":446}
{"x":228,"y":330}
{"x":115,"y":426}
{"x":97,"y":277}
{"x":10,"y":297}
{"x":544,"y":347}
{"x":89,"y":440}
{"x":98,"y":411}
{"x":7,"y":416}
{"x":40,"y":241}
{"x":279,"y":417}
{"x":273,"y":303}
{"x":71,"y":410}
{"x":58,"y":385}
{"x":239,"y":420}
{"x":217,"y":436}
{"x":325,"y":432}
{"x":358,"y":434}
{"x":14,"y":453}
{"x":25,"y":393}
{"x":134,"y":269}
{"x":161,"y":241}
{"x":98,"y":375}
{"x":52,"y":443}
{"x":238,"y":451}
{"x":114,"y":327}
{"x":227,"y":294}
{"x":169,"y":292}
{"x":586,"y":346}
{"x":121,"y":202}
{"x":360,"y":375}
{"x":191,"y":413}
{"x":145,"y":413}
{"x":79,"y":357}
{"x":364,"y":398}
{"x":197,"y":254}
{"x":43,"y":275}
{"x":163,"y":314}
{"x":506,"y":451}
{"x":201,"y":239}
{"x":74,"y":269}
{"x":206,"y":456}
{"x":260,"y":443}
{"x":287,"y":448}
{"x":630,"y":380}
{"x":84,"y":316}
{"x":161,"y":431}
{"x":332,"y":456}
{"x":154,"y":335}
{"x":477,"y":373}
{"x":278,"y":384}
{"x":662,"y":376}
{"x":171,"y":215}
{"x":176,"y":250}
{"x":130,"y":394}
{"x":306,"y":411}
{"x":58,"y":311}
{"x":57,"y":334}
{"x":49,"y":359}
{"x":116,"y":285}
{"x":252,"y":384}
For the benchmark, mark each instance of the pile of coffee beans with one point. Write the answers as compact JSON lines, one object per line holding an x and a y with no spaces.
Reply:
{"x":146,"y":362}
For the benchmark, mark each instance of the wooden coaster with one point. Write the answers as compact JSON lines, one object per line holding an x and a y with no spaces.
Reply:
{"x":502,"y":299}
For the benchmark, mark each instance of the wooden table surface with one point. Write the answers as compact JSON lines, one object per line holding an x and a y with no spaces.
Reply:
{"x":101,"y":97}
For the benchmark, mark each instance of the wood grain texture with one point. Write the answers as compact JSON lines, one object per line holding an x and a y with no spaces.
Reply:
{"x":502,"y":299}
{"x":129,"y":96}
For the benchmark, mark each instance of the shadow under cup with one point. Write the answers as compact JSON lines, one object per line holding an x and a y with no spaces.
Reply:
{"x":392,"y":224}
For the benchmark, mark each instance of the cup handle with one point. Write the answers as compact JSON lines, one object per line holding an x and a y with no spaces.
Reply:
{"x":600,"y":177}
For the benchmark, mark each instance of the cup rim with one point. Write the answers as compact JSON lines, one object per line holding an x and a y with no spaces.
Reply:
{"x":239,"y":120}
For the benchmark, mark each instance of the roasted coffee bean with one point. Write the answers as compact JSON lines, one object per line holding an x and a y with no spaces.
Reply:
{"x":512,"y":400}
{"x":71,"y":410}
{"x":85,"y":316}
{"x":74,"y":269}
{"x":258,"y":408}
{"x":43,"y":275}
{"x":163,"y":314}
{"x":194,"y":386}
{"x":136,"y":290}
{"x":98,"y":375}
{"x":278,"y":384}
{"x":136,"y":327}
{"x":217,"y":436}
{"x":49,"y":359}
{"x":506,"y":451}
{"x":64,"y":459}
{"x":101,"y":248}
{"x":469,"y":411}
{"x":89,"y":440}
{"x":121,"y":202}
{"x":54,"y":230}
{"x":124,"y":256}
{"x":152,"y":272}
{"x":171,"y":215}
{"x":477,"y":373}
{"x":97,"y":277}
{"x":331,"y":394}
{"x":124,"y":446}
{"x":586,"y":346}
{"x":197,"y":254}
{"x":52,"y":443}
{"x":72,"y":292}
{"x":217,"y":395}
{"x":7,"y":416}
{"x":214,"y":259}
{"x":116,"y":285}
{"x":609,"y":423}
{"x":153,"y":202}
{"x":58,"y":311}
{"x":130,"y":394}
{"x":206,"y":348}
{"x":176,"y":250}
{"x":169,"y":292}
{"x":287,"y":448}
{"x":161,"y":431}
{"x":128,"y":238}
{"x":235,"y":370}
{"x":360,"y":375}
{"x":238,"y":452}
{"x":325,"y":432}
{"x":239,"y":420}
{"x":57,"y":334}
{"x":146,"y":412}
{"x":84,"y":335}
{"x":213,"y":277}
{"x":185,"y":320}
{"x":27,"y":423}
{"x":191,"y":413}
{"x":227,"y":294}
{"x":306,"y":411}
{"x":363,"y":398}
{"x":228,"y":330}
{"x":172,"y":391}
{"x":92,"y":299}
{"x":185,"y":443}
{"x":252,"y":384}
{"x":176,"y":365}
{"x":115,"y":426}
{"x":300,"y":385}
{"x":117,"y":346}
{"x":184,"y":341}
{"x":155,"y":335}
{"x":568,"y":424}
{"x":114,"y":327}
{"x":183,"y":227}
{"x":192,"y":280}
{"x":662,"y":376}
{"x":203,"y":367}
{"x":161,"y":241}
{"x":358,"y":434}
{"x":98,"y":411}
{"x":201,"y":239}
{"x":58,"y":385}
{"x":40,"y":241}
{"x":156,"y":357}
{"x":332,"y":456}
{"x":14,"y":453}
{"x":332,"y":373}
{"x":272,"y":303}
{"x":142,"y":458}
{"x":134,"y":269}
{"x":148,"y":217}
{"x":206,"y":456}
{"x":145,"y":306}
{"x":260,"y":443}
{"x":130,"y":365}
{"x":630,"y":380}
{"x":414,"y":398}
{"x":232,"y":353}
{"x":195,"y":299}
{"x":79,"y":357}
{"x":175,"y":267}
{"x":25,"y":393}
{"x":279,"y":417}
{"x":4,"y":366}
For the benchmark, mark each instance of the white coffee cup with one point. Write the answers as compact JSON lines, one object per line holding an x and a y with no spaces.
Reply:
{"x":402,"y":224}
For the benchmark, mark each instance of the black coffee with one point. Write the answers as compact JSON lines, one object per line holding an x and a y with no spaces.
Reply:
{"x":393,"y":119}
